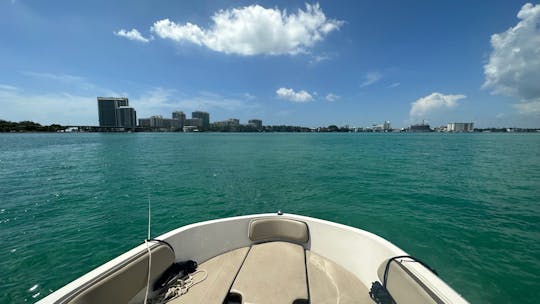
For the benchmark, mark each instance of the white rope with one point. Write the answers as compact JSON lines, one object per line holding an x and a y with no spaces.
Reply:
{"x":149,"y":269}
{"x":181,"y":287}
{"x":149,"y":255}
{"x":149,"y":218}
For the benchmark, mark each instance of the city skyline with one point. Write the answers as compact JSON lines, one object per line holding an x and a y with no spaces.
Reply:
{"x":115,"y":115}
{"x":310,"y":64}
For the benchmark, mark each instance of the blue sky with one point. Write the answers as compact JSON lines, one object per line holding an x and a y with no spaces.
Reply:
{"x":285,"y":62}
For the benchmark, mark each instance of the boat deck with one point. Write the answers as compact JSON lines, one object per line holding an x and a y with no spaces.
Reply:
{"x":274,"y":272}
{"x":273,"y":263}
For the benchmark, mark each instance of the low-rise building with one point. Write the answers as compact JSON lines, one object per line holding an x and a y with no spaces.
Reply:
{"x":156,"y":121}
{"x":231,"y":122}
{"x":419,"y":128}
{"x":144,"y":122}
{"x":163,"y":124}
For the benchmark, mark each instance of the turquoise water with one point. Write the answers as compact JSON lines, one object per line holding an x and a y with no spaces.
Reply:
{"x":467,"y":204}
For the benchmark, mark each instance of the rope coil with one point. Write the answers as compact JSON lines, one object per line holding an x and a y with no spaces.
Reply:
{"x":180,"y":287}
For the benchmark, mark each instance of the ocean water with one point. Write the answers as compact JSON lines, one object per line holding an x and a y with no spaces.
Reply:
{"x":467,"y":204}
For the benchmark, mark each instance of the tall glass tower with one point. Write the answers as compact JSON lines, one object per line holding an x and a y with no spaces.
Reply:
{"x":115,"y":112}
{"x":204,"y":116}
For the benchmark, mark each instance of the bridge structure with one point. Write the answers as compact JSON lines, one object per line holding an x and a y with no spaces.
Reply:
{"x":77,"y":128}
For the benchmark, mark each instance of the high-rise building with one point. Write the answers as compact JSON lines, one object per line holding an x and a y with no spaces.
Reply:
{"x":180,"y":117}
{"x":460,"y":127}
{"x":126,"y":117}
{"x":257,"y":123}
{"x":386,"y":126}
{"x":107,"y":110}
{"x":203,"y":116}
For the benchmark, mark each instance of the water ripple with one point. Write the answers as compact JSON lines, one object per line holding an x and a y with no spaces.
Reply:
{"x":468,"y":204}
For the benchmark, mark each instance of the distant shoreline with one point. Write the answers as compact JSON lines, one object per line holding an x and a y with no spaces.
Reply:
{"x":521,"y":131}
{"x":32,"y":127}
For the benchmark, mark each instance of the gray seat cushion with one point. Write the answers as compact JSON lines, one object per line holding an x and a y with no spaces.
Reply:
{"x":221,"y":271}
{"x":273,"y":272}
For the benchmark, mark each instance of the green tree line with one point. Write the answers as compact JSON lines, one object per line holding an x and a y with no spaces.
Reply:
{"x":27,"y":126}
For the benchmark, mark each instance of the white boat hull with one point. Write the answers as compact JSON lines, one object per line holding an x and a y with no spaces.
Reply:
{"x":360,"y":252}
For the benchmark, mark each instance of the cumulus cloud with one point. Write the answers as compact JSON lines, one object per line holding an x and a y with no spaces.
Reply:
{"x":332,"y":97}
{"x":291,"y":95}
{"x":513,"y":68}
{"x":432,"y":103}
{"x":253,"y":30}
{"x":371,"y":78}
{"x":134,"y":34}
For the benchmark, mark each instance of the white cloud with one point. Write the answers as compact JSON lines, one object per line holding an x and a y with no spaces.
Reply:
{"x":528,"y":108}
{"x":70,"y":100}
{"x":134,"y":34}
{"x":55,"y":77}
{"x":18,"y":104}
{"x":153,"y":101}
{"x":332,"y":97}
{"x":253,"y":30}
{"x":72,"y":82}
{"x":59,"y":107}
{"x":162,"y":101}
{"x":371,"y":78}
{"x":249,"y":96}
{"x":513,"y":68}
{"x":393,"y":85}
{"x":206,"y":103}
{"x":432,"y":103}
{"x":7,"y":87}
{"x":291,"y":95}
{"x":319,"y":58}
